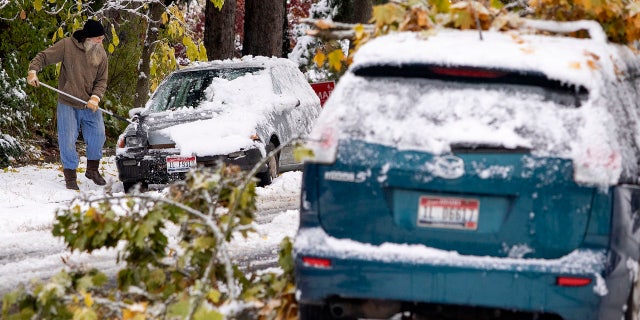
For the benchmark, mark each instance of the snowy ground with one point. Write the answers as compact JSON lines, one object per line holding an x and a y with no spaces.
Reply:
{"x":29,"y":197}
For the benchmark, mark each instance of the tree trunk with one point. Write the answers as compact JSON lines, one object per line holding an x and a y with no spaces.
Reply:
{"x":353,"y":11}
{"x":151,"y":36}
{"x":362,"y":10}
{"x":263,"y":27}
{"x":219,"y":30}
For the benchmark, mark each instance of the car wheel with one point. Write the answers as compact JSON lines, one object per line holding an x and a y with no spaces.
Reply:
{"x":633,"y":303}
{"x":128,"y":186}
{"x":313,"y":312}
{"x":272,"y":168}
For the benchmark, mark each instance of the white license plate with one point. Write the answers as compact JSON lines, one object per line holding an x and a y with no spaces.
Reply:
{"x":180,"y":163}
{"x":453,"y":213}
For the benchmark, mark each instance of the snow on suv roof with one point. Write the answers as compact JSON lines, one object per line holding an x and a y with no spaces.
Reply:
{"x":599,"y":132}
{"x":562,"y":58}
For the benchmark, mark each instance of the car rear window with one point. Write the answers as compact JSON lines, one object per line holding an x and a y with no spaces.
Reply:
{"x":187,"y":89}
{"x":440,"y":110}
{"x":535,"y":82}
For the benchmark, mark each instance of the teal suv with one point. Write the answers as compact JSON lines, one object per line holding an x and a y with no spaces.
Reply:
{"x":463,"y":177}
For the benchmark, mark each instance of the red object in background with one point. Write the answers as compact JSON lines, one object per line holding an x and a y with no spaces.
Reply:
{"x":323,"y":90}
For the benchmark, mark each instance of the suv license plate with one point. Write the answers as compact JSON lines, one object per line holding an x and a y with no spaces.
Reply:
{"x":180,"y":163}
{"x":452,"y":213}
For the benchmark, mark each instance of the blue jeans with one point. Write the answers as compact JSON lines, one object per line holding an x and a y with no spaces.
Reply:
{"x":70,"y":121}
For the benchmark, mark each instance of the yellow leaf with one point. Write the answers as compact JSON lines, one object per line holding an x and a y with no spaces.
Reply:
{"x":111,"y":48}
{"x":387,"y":14}
{"x":202,"y":52}
{"x":575,"y":65}
{"x":37,"y":4}
{"x":214,"y":295}
{"x":335,"y":58}
{"x":79,"y":5}
{"x":165,"y":18}
{"x":319,"y":59}
{"x":592,"y":65}
{"x":114,"y":35}
{"x":359,"y":30}
{"x":88,"y":301}
{"x":441,"y":5}
{"x":91,"y":212}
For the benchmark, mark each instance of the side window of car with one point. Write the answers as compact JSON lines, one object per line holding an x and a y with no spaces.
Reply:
{"x":277,"y":78}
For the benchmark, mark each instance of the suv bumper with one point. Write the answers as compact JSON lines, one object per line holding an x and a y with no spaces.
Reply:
{"x":424,"y":275}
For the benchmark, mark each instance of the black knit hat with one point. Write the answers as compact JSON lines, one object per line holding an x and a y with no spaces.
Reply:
{"x":92,"y":28}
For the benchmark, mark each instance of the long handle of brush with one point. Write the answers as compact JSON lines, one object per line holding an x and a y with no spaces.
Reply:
{"x":82,"y":101}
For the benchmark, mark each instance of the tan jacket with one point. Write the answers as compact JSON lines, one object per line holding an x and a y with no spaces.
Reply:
{"x":77,"y":76}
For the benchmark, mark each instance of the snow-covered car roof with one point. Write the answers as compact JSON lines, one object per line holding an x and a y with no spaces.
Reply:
{"x":244,"y":62}
{"x":567,"y":59}
{"x":600,"y":134}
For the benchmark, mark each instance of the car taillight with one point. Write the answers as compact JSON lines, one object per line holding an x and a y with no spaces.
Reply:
{"x":321,"y":148}
{"x":572,"y":281}
{"x":597,"y":166}
{"x":316,"y":262}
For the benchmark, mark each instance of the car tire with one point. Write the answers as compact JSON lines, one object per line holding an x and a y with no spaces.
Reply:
{"x":273,"y":167}
{"x":313,"y":312}
{"x":128,"y":186}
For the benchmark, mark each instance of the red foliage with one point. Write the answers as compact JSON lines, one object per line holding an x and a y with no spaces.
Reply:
{"x":296,"y":10}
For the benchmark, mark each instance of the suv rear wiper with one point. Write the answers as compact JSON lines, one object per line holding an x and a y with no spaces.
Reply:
{"x":468,"y":147}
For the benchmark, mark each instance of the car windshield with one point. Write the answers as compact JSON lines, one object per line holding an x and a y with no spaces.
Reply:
{"x":187,"y":89}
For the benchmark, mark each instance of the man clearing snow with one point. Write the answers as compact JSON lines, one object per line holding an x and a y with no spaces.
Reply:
{"x":83,"y":74}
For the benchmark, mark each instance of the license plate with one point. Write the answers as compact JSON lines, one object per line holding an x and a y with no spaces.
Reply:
{"x":452,"y":213}
{"x":180,"y":163}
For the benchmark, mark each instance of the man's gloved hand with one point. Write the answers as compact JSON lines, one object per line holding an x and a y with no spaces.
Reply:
{"x":32,"y":78}
{"x":93,"y":103}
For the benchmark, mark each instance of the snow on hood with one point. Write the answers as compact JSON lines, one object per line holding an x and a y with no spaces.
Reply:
{"x":237,"y":115}
{"x":420,"y":115}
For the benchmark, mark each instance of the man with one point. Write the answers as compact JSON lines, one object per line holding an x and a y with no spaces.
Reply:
{"x":83,"y":74}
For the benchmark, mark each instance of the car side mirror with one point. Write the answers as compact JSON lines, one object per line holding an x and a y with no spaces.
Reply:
{"x":285,"y":101}
{"x":135,"y":112}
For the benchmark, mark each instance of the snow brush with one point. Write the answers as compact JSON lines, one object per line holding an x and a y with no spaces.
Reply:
{"x":82,"y":101}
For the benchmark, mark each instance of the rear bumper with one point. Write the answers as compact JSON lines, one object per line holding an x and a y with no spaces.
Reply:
{"x":151,"y":167}
{"x":417,"y":274}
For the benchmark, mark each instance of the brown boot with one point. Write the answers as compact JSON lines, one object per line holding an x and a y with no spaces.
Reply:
{"x":70,"y":179}
{"x":93,"y":173}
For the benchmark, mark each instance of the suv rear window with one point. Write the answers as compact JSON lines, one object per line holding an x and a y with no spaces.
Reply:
{"x":434,"y":110}
{"x":551,"y":90}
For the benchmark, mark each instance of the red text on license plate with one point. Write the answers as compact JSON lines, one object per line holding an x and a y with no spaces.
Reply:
{"x":445,"y":212}
{"x":180,"y":163}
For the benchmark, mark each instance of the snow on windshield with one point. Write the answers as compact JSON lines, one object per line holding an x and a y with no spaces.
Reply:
{"x":239,"y":104}
{"x":429,"y":116}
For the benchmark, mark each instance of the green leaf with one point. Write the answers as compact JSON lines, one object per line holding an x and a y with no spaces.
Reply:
{"x":179,"y":309}
{"x":442,"y":6}
{"x":205,"y":314}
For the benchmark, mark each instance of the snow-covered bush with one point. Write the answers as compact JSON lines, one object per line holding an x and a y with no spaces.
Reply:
{"x":14,"y":114}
